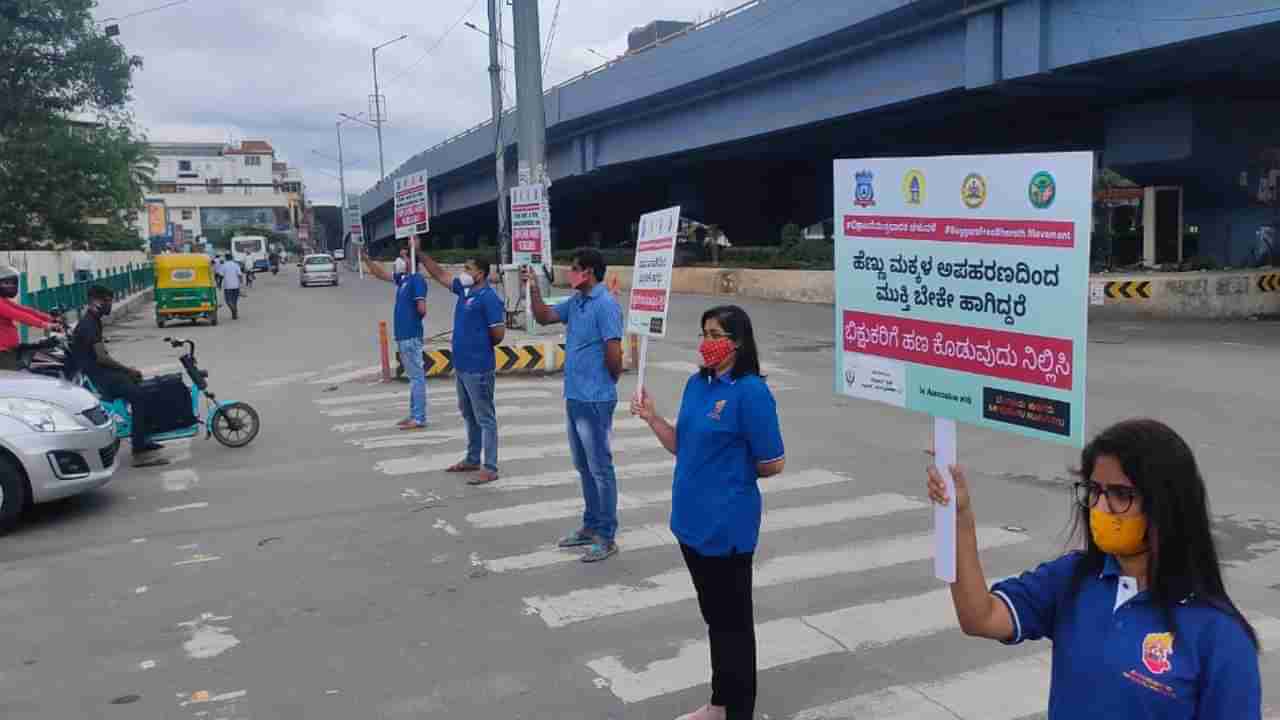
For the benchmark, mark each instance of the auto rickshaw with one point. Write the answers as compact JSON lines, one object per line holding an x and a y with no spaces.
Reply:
{"x":185,"y":288}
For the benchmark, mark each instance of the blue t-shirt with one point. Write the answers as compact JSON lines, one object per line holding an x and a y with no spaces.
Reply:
{"x":1124,"y":662}
{"x":726,"y":427}
{"x":591,"y":321}
{"x":477,"y":310}
{"x":410,"y":288}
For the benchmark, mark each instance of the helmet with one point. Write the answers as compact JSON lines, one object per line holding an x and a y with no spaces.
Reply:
{"x":8,"y":281}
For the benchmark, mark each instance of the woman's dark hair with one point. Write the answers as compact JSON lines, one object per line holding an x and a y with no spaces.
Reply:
{"x":1183,"y":560}
{"x":737,"y":324}
{"x":591,"y":259}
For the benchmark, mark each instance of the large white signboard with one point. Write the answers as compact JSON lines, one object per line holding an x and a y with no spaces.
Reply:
{"x":412,"y":214}
{"x":651,"y":276}
{"x":530,"y":225}
{"x":355,"y":220}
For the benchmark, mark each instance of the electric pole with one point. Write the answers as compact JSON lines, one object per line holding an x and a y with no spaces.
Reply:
{"x":533,"y":120}
{"x":379,"y":115}
{"x":500,"y":147}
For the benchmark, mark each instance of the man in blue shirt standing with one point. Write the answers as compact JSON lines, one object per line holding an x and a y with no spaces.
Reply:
{"x":478,"y":325}
{"x":411,"y":308}
{"x":593,"y":362}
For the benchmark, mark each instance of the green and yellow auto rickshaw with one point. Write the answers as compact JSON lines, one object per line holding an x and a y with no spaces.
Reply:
{"x":185,"y":288}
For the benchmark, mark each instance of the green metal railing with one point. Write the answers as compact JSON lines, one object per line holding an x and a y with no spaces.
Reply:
{"x":124,"y":281}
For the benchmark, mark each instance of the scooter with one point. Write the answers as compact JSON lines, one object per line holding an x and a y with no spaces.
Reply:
{"x":234,"y":424}
{"x":46,"y":356}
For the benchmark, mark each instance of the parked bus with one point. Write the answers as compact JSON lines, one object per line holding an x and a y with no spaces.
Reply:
{"x":251,"y":252}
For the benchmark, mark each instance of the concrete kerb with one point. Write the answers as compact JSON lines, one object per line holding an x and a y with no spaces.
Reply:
{"x":122,"y":310}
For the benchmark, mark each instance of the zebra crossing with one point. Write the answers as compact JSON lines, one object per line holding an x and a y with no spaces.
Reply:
{"x":810,"y":547}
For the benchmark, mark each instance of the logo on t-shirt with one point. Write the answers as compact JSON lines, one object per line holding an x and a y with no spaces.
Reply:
{"x":719,"y":408}
{"x":1157,"y":652}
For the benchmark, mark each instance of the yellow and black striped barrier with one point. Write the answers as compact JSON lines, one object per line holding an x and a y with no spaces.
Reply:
{"x":1269,"y":282}
{"x":527,"y":358}
{"x":1128,"y":290}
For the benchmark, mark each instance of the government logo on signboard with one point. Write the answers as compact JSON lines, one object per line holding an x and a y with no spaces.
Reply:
{"x":1041,"y":190}
{"x":864,"y":195}
{"x":973,"y":191}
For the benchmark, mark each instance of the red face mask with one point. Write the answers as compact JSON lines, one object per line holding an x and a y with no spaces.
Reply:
{"x":716,"y":351}
{"x":577,"y":278}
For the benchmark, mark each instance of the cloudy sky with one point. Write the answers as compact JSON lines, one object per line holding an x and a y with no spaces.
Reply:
{"x":218,"y":70}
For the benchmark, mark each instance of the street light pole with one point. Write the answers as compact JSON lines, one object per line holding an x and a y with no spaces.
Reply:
{"x":377,"y":104}
{"x":500,"y":146}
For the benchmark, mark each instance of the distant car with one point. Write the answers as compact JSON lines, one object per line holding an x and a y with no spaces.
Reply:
{"x":56,"y":440}
{"x":319,"y":269}
{"x":339,"y":254}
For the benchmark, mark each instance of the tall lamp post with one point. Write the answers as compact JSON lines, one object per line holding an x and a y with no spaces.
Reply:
{"x":377,"y":105}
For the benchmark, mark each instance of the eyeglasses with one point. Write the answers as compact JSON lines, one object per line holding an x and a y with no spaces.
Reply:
{"x":715,"y":335}
{"x":1119,"y":497}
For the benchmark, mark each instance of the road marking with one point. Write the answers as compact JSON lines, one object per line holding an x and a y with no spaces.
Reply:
{"x":179,"y":480}
{"x":659,"y":535}
{"x":440,"y":437}
{"x":442,"y":524}
{"x":188,"y":506}
{"x":417,"y":464}
{"x":161,"y":369}
{"x":343,"y":366}
{"x":674,"y":586}
{"x":981,"y":694}
{"x":348,"y":376}
{"x":400,"y":394}
{"x":677,"y":366}
{"x":286,"y":379}
{"x":392,"y":408}
{"x":553,"y":509}
{"x":504,"y":411}
{"x":571,"y":477}
{"x":197,"y":559}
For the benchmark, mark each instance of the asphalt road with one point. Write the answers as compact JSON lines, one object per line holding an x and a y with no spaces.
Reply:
{"x":330,"y":570}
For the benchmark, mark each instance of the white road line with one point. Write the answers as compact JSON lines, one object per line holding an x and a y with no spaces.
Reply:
{"x":392,"y":407}
{"x":504,"y":411}
{"x":658,"y":534}
{"x":189,"y":506}
{"x":980,"y":694}
{"x":418,"y":464}
{"x":571,"y":477}
{"x":343,"y":366}
{"x":676,"y":366}
{"x":1262,"y":570}
{"x":179,"y":480}
{"x":198,"y":559}
{"x":440,"y":437}
{"x":674,"y":586}
{"x":553,"y":509}
{"x":348,"y":376}
{"x":402,"y":394}
{"x":286,"y":379}
{"x":161,"y":369}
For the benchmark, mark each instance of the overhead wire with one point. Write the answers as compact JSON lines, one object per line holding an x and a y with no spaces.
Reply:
{"x":143,"y":12}
{"x":551,"y":39}
{"x":434,"y":46}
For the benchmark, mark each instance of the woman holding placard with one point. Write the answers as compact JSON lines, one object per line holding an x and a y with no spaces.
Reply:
{"x":1141,"y":624}
{"x":725,"y":439}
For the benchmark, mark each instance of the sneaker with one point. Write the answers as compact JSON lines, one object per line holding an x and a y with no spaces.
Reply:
{"x":577,"y":539}
{"x":706,"y":712}
{"x":599,"y":551}
{"x":414,"y":425}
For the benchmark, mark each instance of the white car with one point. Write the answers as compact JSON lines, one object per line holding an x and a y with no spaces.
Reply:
{"x":319,"y":269}
{"x":339,"y":254}
{"x":56,"y":440}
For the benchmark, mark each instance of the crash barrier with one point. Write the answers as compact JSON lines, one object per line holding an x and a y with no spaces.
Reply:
{"x":73,"y":296}
{"x":544,"y":357}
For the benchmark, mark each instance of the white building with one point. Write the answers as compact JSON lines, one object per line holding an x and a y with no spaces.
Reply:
{"x":205,"y":187}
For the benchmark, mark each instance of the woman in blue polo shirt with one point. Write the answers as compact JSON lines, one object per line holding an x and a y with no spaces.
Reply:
{"x":725,"y":438}
{"x":1141,"y":624}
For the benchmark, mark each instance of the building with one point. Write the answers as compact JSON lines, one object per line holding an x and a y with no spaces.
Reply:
{"x":200,"y":189}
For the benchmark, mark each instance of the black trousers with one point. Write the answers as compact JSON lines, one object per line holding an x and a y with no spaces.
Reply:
{"x":114,"y":384}
{"x":724,"y":596}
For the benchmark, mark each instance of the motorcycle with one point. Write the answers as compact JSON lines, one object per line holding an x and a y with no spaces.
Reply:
{"x":47,"y":356}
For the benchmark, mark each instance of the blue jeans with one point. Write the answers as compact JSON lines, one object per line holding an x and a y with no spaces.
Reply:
{"x":590,"y":428}
{"x":411,"y":356}
{"x":475,"y":402}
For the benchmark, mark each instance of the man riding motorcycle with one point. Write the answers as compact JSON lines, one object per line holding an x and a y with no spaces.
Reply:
{"x":11,"y":314}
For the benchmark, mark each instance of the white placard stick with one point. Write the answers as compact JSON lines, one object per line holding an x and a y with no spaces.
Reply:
{"x":644,"y":353}
{"x":944,"y":516}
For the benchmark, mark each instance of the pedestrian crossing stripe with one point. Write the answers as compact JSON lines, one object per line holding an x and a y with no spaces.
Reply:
{"x":1128,"y":290}
{"x":1270,"y":282}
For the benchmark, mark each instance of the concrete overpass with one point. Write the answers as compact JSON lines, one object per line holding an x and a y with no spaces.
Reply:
{"x":739,"y":118}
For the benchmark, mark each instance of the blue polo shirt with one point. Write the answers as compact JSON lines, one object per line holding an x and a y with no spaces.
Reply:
{"x":477,"y":310}
{"x":410,"y":288}
{"x":591,"y":321}
{"x":1124,"y":662}
{"x":726,"y":427}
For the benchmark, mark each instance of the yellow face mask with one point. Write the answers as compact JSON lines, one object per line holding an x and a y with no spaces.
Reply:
{"x":1119,"y":535}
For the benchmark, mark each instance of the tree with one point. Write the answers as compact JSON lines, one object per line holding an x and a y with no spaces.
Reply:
{"x":56,"y":172}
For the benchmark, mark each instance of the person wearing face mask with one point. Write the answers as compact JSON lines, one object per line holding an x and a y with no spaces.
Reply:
{"x":478,"y":325}
{"x":88,"y":355}
{"x":593,"y":362}
{"x":726,"y":437}
{"x":410,"y":312}
{"x":13,"y":314}
{"x":1141,"y":624}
